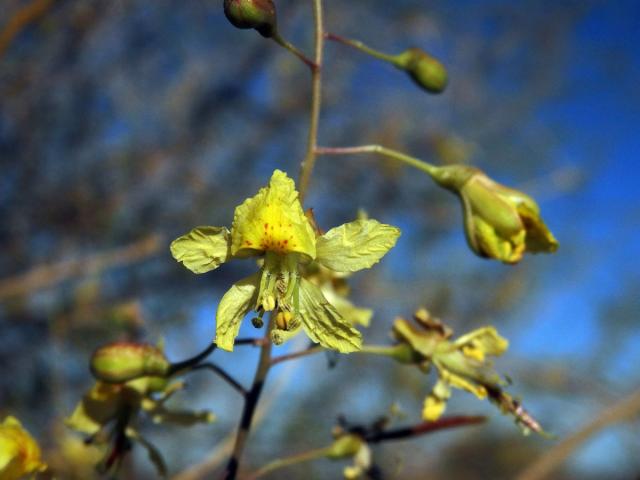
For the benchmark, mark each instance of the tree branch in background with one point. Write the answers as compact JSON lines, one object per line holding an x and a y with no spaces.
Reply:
{"x":45,"y":276}
{"x":619,"y":412}
{"x":22,"y":19}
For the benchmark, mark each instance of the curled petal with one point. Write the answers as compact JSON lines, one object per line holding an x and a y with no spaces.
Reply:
{"x":234,"y":305}
{"x":202,"y":249}
{"x":322,"y":322}
{"x":482,"y":341}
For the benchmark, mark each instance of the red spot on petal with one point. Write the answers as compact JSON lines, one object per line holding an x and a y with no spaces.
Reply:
{"x":266,"y":225}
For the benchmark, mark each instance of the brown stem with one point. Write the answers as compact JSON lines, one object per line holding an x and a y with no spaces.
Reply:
{"x":295,"y":50}
{"x":28,"y":14}
{"x":424,"y":428}
{"x":295,"y":355}
{"x":222,"y":374}
{"x":309,"y":161}
{"x":250,"y":403}
{"x":624,"y":410}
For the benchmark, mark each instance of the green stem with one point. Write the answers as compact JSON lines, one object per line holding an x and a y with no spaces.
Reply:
{"x":378,"y":350}
{"x":293,"y":49}
{"x":306,"y":168}
{"x":358,"y":45}
{"x":428,"y":168}
{"x":288,"y":461}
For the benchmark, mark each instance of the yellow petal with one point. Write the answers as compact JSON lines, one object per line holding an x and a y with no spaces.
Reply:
{"x":19,"y":452}
{"x":97,"y":407}
{"x":356,"y":245}
{"x":485,"y":340}
{"x":274,"y":221}
{"x":461,"y":382}
{"x":436,"y":403}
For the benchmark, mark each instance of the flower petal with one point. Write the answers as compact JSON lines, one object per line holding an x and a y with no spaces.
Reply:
{"x":482,"y":341}
{"x":97,"y":407}
{"x":234,"y":305}
{"x":273,"y":220}
{"x":323,"y":323}
{"x":436,"y":402}
{"x":356,"y":245}
{"x":202,"y":249}
{"x":355,"y":315}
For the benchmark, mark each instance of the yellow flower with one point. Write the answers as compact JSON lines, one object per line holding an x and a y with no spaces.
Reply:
{"x":117,"y":405}
{"x":500,"y":222}
{"x":460,"y":363}
{"x":272,"y":224}
{"x":19,"y":452}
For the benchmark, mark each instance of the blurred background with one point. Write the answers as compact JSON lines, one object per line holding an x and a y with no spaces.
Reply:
{"x":124,"y":123}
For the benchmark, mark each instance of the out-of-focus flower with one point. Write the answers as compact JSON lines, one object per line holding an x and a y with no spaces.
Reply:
{"x":19,"y":452}
{"x":272,"y":224}
{"x":108,"y":412}
{"x":500,"y":222}
{"x":350,"y":445}
{"x":461,"y":363}
{"x":336,"y":290}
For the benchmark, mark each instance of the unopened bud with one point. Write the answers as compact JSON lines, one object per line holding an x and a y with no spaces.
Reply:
{"x":258,"y":14}
{"x":121,"y":362}
{"x":425,"y":70}
{"x":344,"y":447}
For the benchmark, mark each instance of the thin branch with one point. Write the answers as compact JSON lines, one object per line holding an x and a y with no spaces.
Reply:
{"x":253,"y":342}
{"x":250,"y":403}
{"x":619,"y":412}
{"x":358,"y":45}
{"x":424,"y":428}
{"x":48,"y":275}
{"x":295,"y":50}
{"x":223,"y":448}
{"x":309,"y":161}
{"x":223,"y":374}
{"x":376,"y":437}
{"x":279,"y":463}
{"x":190,"y":363}
{"x":292,"y":356}
{"x":414,"y":162}
{"x":28,"y":14}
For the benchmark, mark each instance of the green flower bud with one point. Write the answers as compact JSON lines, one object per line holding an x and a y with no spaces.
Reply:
{"x":500,"y":222}
{"x":258,"y":14}
{"x":344,"y":447}
{"x":123,"y":361}
{"x":425,"y":70}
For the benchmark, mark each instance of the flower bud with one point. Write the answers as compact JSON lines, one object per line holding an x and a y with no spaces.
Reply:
{"x":344,"y":447}
{"x":425,"y":70}
{"x":122,"y":361}
{"x":500,"y":222}
{"x":258,"y":14}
